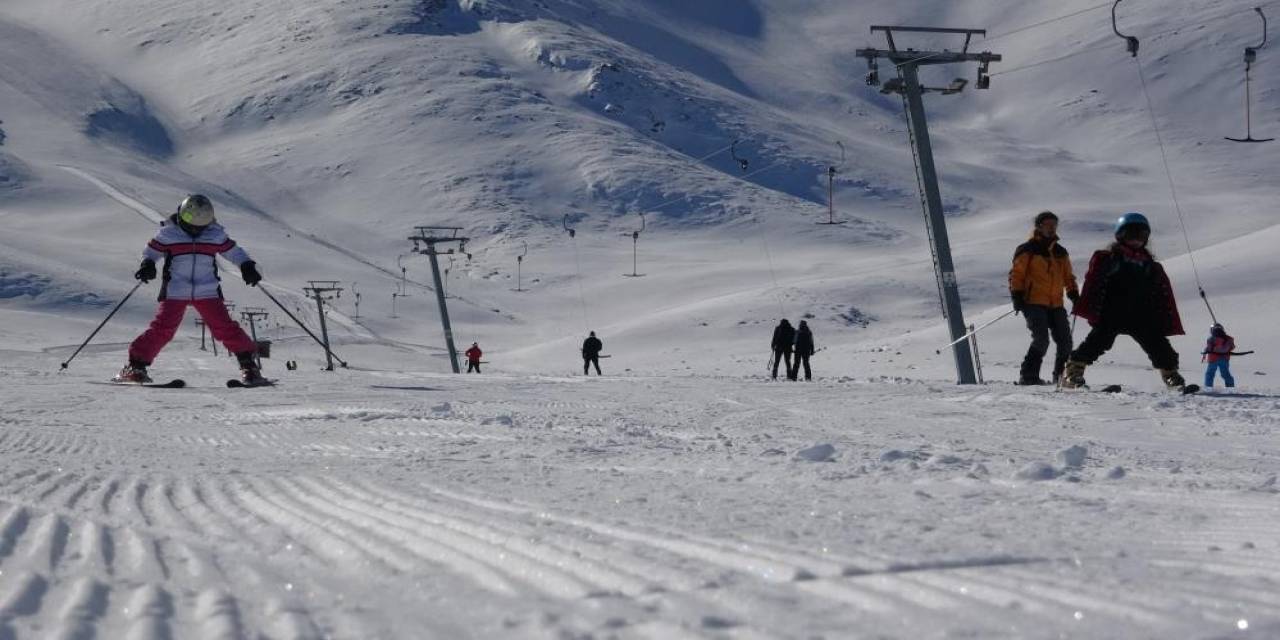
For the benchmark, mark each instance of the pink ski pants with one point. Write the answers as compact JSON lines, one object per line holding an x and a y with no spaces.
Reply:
{"x":169,"y":315}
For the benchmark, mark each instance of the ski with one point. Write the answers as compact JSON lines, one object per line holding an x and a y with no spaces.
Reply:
{"x":1185,"y":390}
{"x":176,"y":383}
{"x":236,"y":383}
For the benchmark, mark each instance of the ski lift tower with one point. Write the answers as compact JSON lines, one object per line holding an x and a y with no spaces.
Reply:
{"x":431,"y":236}
{"x":907,"y":84}
{"x":323,"y":290}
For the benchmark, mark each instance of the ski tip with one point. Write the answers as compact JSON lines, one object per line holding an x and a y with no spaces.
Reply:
{"x":1112,"y":388}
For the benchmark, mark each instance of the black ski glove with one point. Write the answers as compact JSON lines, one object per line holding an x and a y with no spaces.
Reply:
{"x":146,"y":272}
{"x":1019,"y":301}
{"x":249,"y":271}
{"x":1074,"y":297}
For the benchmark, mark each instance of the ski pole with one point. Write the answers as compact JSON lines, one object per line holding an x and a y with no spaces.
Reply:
{"x":101,"y":324}
{"x":304,"y":327}
{"x":966,"y":336}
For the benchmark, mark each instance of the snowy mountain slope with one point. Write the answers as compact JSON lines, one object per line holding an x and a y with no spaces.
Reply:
{"x":552,"y":108}
{"x":682,"y":495}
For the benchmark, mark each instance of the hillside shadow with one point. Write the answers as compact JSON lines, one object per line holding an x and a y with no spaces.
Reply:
{"x":135,"y":128}
{"x":736,"y":17}
{"x":437,"y":18}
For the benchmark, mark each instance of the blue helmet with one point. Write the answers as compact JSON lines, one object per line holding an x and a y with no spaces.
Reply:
{"x":1131,"y":219}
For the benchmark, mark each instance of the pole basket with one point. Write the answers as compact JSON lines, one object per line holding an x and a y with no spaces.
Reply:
{"x":264,"y":348}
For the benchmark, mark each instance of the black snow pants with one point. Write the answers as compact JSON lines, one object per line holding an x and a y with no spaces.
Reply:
{"x":1102,"y":337}
{"x":778,"y":357}
{"x":472,"y":365}
{"x":587,"y":361}
{"x":1045,"y":322}
{"x":794,"y":372}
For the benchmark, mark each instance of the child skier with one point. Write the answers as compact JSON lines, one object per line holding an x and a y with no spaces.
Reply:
{"x":1217,"y":351}
{"x":473,"y":357}
{"x":189,"y":245}
{"x":1127,"y":291}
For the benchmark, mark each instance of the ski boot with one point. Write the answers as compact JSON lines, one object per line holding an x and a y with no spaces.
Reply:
{"x":250,"y":373}
{"x":1030,"y":382}
{"x":1172,"y":379}
{"x":134,"y":372}
{"x":1073,"y":375}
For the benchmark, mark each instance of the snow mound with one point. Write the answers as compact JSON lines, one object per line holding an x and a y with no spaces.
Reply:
{"x":1035,"y":471}
{"x":817,"y":453}
{"x":1073,"y":456}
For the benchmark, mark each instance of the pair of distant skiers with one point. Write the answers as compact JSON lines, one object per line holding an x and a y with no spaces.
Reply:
{"x":788,"y":340}
{"x":1126,"y":291}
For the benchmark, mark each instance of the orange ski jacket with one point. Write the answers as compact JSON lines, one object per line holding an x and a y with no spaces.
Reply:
{"x":1041,"y":272}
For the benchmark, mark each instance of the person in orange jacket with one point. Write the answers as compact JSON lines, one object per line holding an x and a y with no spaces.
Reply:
{"x":473,"y":357}
{"x":1041,"y":273}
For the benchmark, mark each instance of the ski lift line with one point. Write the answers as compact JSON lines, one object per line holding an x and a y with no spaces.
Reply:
{"x":1034,"y":25}
{"x":1159,"y":34}
{"x":582,"y":296}
{"x":1173,"y":189}
{"x":682,"y":198}
{"x":699,"y":160}
{"x":1132,"y":45}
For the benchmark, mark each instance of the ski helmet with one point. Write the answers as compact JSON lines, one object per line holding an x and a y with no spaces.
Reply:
{"x":196,"y":210}
{"x":1045,"y":215}
{"x":1217,"y":328}
{"x":1131,"y":220}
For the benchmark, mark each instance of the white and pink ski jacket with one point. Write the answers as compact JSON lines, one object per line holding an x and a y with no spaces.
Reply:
{"x":190,"y":269}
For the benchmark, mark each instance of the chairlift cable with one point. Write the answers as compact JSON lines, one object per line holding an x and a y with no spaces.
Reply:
{"x":1161,"y":34}
{"x":577,"y":261}
{"x":1132,"y":44}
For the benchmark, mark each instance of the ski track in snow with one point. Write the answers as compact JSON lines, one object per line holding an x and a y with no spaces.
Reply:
{"x":540,"y":507}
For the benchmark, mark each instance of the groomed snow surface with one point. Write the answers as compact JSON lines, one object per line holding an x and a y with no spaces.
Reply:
{"x":367,"y":504}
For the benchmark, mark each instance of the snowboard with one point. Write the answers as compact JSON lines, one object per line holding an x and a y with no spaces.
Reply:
{"x":176,"y":383}
{"x":236,"y":383}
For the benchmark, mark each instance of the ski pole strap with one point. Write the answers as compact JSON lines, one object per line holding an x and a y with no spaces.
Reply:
{"x":304,"y":327}
{"x":101,"y":325}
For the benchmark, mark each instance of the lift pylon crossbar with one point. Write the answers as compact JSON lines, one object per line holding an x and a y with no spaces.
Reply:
{"x":907,"y":84}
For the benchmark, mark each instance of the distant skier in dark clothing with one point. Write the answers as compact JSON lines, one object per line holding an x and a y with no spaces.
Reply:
{"x":1041,"y":272}
{"x":784,"y":338}
{"x":1127,"y":292}
{"x":591,"y":348}
{"x":804,"y":349}
{"x":473,"y":357}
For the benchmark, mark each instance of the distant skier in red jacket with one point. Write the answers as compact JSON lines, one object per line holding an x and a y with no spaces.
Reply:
{"x":1217,"y":352}
{"x":1127,"y":292}
{"x":473,"y":357}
